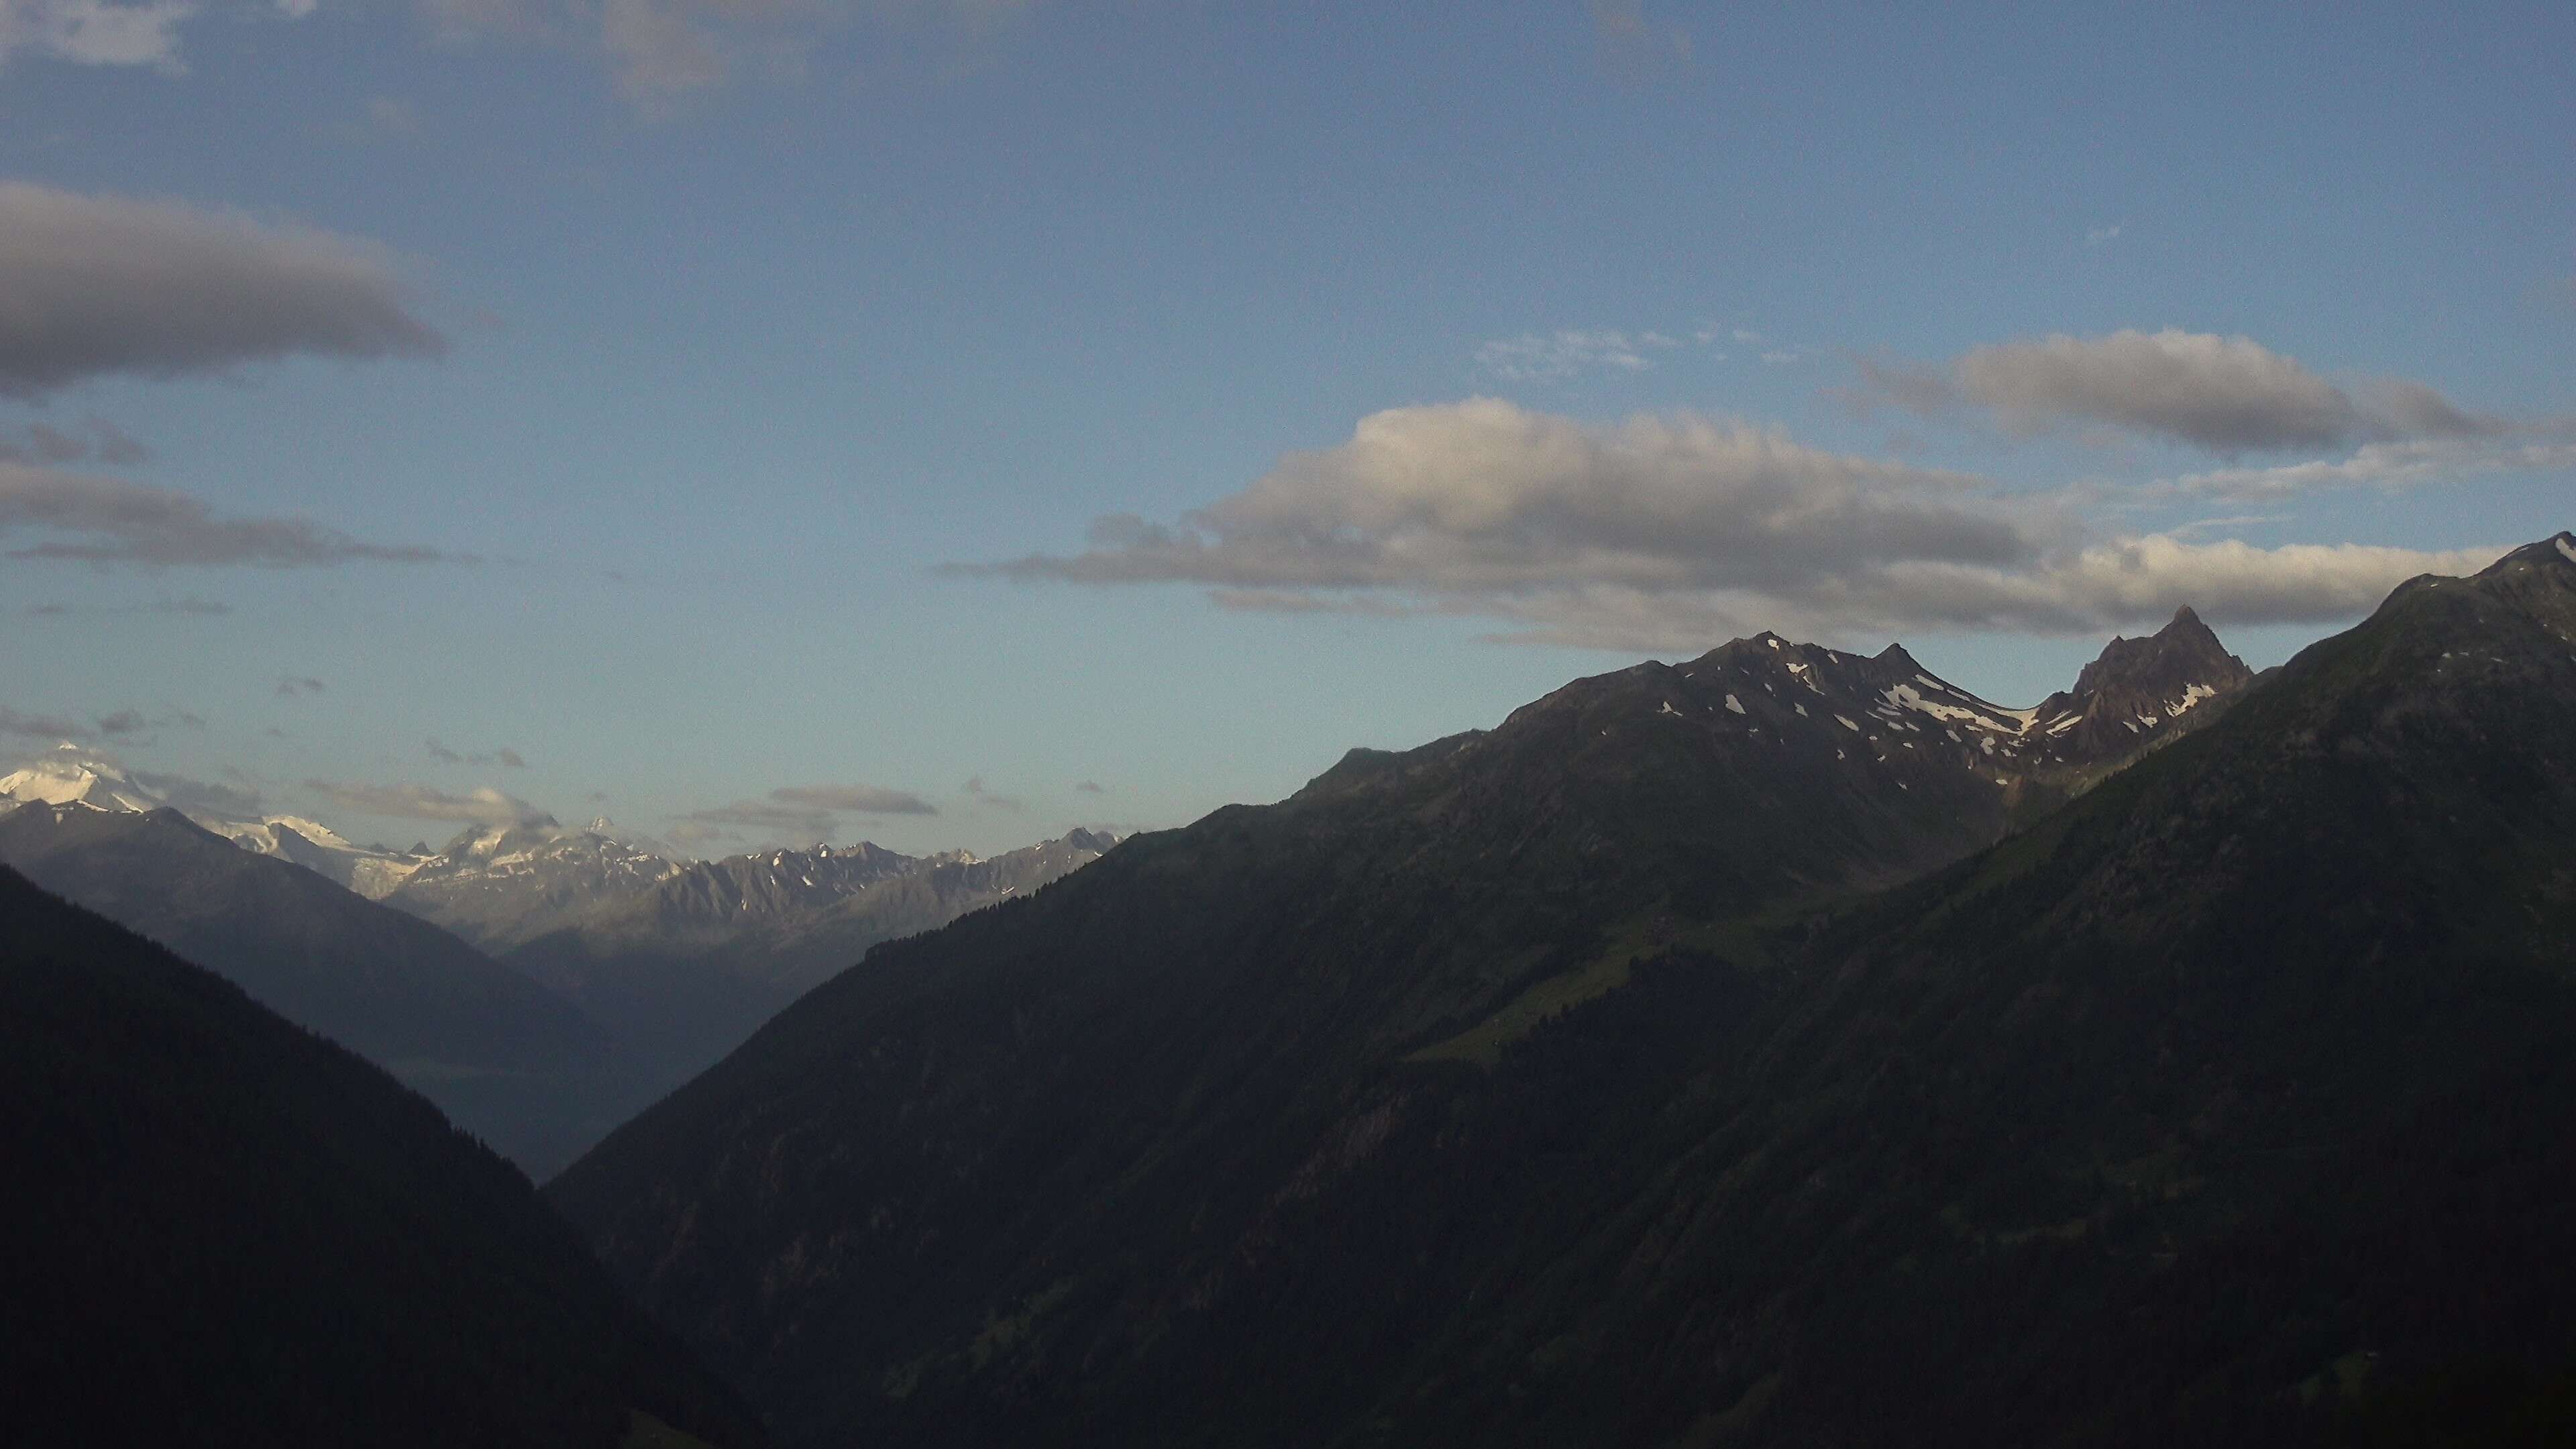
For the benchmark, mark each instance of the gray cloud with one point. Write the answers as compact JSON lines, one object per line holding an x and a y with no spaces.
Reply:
{"x":694,"y":833}
{"x":505,"y":757}
{"x":1090,"y":787}
{"x":130,"y":523}
{"x":768,"y":817}
{"x":288,"y":686}
{"x":203,"y":797}
{"x":854,"y":799}
{"x":801,"y":812}
{"x":101,"y":285}
{"x":2119,"y":584}
{"x":2225,"y":394}
{"x":45,"y":444}
{"x":196,"y":607}
{"x":482,"y":805}
{"x":40,"y":726}
{"x":975,"y":789}
{"x":1672,"y":533}
{"x":117,"y":724}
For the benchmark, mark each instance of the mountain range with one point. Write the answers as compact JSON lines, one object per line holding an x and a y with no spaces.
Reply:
{"x":1780,"y":1047}
{"x":1783,"y":1047}
{"x":684,"y":971}
{"x":387,"y":951}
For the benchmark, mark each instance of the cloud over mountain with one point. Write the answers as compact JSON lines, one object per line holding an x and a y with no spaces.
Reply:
{"x":802,"y":813}
{"x":482,"y":805}
{"x":1663,"y":531}
{"x":100,"y":284}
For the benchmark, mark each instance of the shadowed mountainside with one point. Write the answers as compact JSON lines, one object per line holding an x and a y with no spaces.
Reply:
{"x":223,"y":1230}
{"x":1020,"y":1179}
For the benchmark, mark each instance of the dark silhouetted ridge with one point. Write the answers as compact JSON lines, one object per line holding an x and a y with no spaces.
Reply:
{"x":221,"y":1229}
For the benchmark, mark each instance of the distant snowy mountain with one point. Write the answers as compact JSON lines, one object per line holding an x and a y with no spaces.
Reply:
{"x":683,"y":972}
{"x":72,"y":775}
{"x":501,"y":885}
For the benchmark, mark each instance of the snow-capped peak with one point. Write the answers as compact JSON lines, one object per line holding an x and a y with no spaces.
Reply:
{"x":70,"y":774}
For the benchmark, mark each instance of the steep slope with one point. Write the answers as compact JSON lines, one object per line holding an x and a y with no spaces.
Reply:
{"x":2230,"y":1105}
{"x":2138,"y":692}
{"x":685,"y":972}
{"x":1136,"y":1063}
{"x":222,"y":1230}
{"x":510,"y":1059}
{"x":386,"y":984}
{"x":503,"y":886}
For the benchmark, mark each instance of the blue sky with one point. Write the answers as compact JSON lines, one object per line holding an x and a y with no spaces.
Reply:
{"x":753,"y":376}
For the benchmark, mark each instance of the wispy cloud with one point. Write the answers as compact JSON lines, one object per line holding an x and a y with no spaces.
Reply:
{"x":855,"y":799}
{"x":976,"y":790}
{"x":1634,"y":45}
{"x":505,"y":757}
{"x":95,"y":32}
{"x":2224,"y":394}
{"x":482,"y":805}
{"x":20,"y":725}
{"x":103,"y":284}
{"x":1536,"y":357}
{"x":2385,"y":466}
{"x":291,"y":685}
{"x":121,"y":724}
{"x":204,"y":797}
{"x":659,"y":52}
{"x":2102,"y":235}
{"x":191,"y":606}
{"x":112,"y":521}
{"x":802,"y":813}
{"x":97,"y":438}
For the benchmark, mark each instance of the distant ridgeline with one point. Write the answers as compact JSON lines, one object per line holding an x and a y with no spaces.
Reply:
{"x":1759,"y":1050}
{"x":624,"y":974}
{"x":220,"y":1229}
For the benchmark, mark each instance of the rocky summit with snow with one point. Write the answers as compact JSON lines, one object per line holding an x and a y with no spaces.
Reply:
{"x":72,"y":774}
{"x":1705,"y":1055}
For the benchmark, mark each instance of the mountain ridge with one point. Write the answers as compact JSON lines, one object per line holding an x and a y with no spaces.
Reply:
{"x":1205,"y":1015}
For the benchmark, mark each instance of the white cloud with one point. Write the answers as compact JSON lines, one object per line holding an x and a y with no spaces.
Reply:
{"x":482,"y":805}
{"x":1668,"y":533}
{"x":94,"y":32}
{"x":1532,"y":357}
{"x":661,"y":50}
{"x":2386,"y":466}
{"x":119,"y":32}
{"x":2101,"y":234}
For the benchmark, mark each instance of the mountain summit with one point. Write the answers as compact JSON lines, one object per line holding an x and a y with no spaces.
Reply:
{"x":1171,"y":1058}
{"x":1556,"y":1084}
{"x":2137,"y":691}
{"x":73,"y":775}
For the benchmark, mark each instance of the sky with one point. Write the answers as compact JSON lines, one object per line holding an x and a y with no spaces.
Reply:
{"x":944,"y":422}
